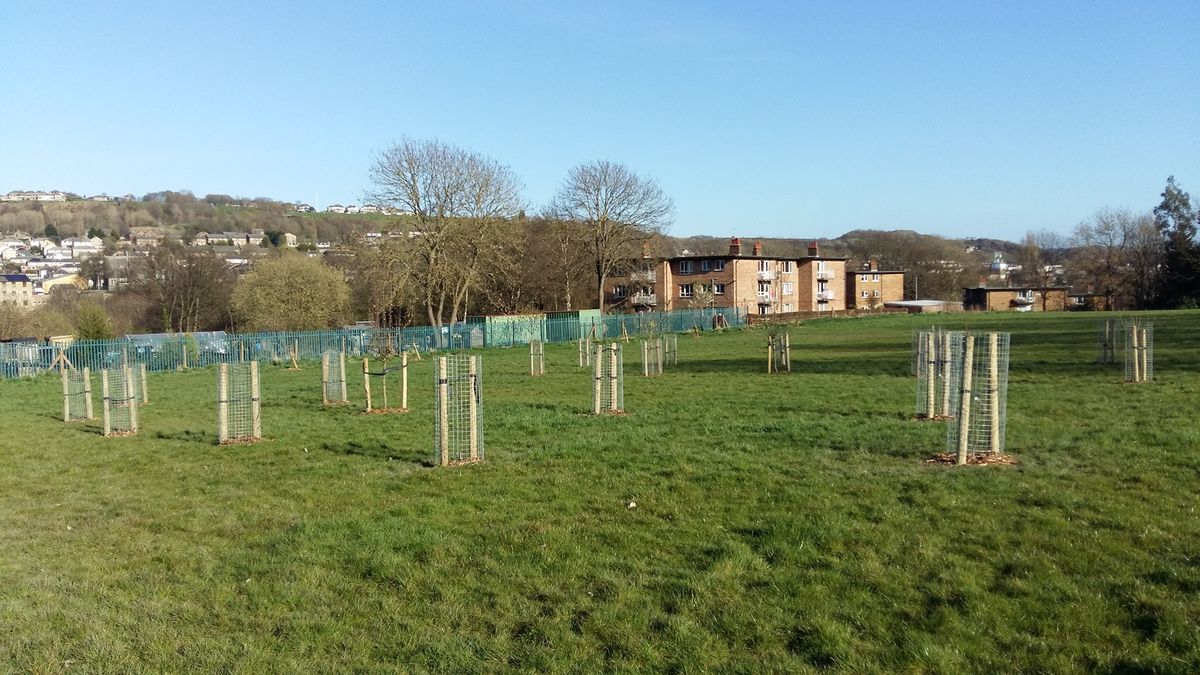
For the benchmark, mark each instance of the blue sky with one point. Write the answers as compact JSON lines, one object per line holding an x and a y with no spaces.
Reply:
{"x":768,"y":119}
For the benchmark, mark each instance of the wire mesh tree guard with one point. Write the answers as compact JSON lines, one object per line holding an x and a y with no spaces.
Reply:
{"x":585,"y":350}
{"x":1108,"y":335}
{"x":333,"y":378}
{"x":120,"y":401}
{"x":537,"y":358}
{"x":608,"y":379}
{"x":670,"y":349}
{"x":652,"y":357}
{"x":239,"y":412}
{"x":77,"y":394}
{"x":382,"y":375}
{"x":458,"y":409}
{"x":979,"y":395}
{"x":779,"y":352}
{"x":934,"y":353}
{"x":140,"y":390}
{"x":1139,"y":351}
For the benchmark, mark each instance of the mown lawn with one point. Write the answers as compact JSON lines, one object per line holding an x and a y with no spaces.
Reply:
{"x":783,"y":522}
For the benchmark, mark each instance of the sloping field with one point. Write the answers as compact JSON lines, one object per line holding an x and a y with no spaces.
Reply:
{"x":782,"y":522}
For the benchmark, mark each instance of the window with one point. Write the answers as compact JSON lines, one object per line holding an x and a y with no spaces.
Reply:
{"x":704,"y":265}
{"x":685,"y":267}
{"x":820,"y":265}
{"x":787,"y":287}
{"x":787,"y":307}
{"x":865,"y":294}
{"x":718,"y":265}
{"x":787,"y":267}
{"x":686,"y":290}
{"x":874,"y":277}
{"x":764,"y":287}
{"x":718,"y":289}
{"x":864,"y":278}
{"x":764,"y":265}
{"x":620,"y":291}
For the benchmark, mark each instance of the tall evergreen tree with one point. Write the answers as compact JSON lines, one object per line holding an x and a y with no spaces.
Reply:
{"x":1179,"y":284}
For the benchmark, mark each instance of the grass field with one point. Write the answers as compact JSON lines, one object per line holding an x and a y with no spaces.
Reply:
{"x":783,"y":522}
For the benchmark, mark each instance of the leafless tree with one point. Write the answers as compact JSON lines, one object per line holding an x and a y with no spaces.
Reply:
{"x":459,"y":203}
{"x":1101,"y":254}
{"x":616,"y":208}
{"x":187,"y":288}
{"x":1040,"y":252}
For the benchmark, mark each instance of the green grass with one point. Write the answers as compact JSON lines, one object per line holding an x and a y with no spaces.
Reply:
{"x":783,"y":522}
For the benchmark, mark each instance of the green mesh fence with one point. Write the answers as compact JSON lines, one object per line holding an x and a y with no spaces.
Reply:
{"x":164,"y":352}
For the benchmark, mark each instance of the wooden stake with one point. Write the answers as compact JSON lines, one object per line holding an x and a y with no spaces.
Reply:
{"x":131,"y":400}
{"x":994,"y":392}
{"x":645,"y":358}
{"x":325,"y":378}
{"x":473,"y":405}
{"x":367,"y":382}
{"x":612,"y":377}
{"x":107,"y":402}
{"x":1144,"y":355}
{"x":66,"y":397}
{"x":342,"y":370}
{"x":931,"y":377}
{"x":255,"y":402}
{"x":787,"y":351}
{"x":596,"y":369}
{"x":942,"y":365}
{"x":222,"y":403}
{"x":142,"y":375}
{"x":443,"y":395}
{"x":964,"y":409}
{"x":87,"y":392}
{"x":183,"y":345}
{"x":403,"y":381}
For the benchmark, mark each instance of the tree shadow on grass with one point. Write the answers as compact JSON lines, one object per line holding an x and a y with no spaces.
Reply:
{"x":378,"y":449}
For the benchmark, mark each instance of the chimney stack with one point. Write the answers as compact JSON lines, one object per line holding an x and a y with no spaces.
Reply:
{"x":757,"y":248}
{"x":813,"y":249}
{"x":646,"y":249}
{"x":735,"y":246}
{"x":874,"y":264}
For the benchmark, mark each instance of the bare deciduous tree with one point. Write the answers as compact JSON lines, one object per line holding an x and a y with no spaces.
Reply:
{"x":1040,"y":252}
{"x":460,"y":203}
{"x":1102,"y":253}
{"x":615,"y":207}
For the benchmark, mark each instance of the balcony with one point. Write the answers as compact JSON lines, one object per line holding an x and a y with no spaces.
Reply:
{"x":824,"y":275}
{"x":766,"y":275}
{"x":765,"y":297}
{"x":644,"y":277}
{"x":643,"y":299}
{"x":824,"y":296}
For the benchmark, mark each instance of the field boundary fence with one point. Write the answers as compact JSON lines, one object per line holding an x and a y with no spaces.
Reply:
{"x":162,"y":352}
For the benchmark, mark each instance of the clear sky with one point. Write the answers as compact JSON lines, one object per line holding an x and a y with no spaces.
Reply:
{"x":769,"y":119}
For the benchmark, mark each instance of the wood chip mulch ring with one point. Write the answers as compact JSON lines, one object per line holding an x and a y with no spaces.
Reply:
{"x":247,"y":440}
{"x":121,"y":434}
{"x":384,"y":411}
{"x":976,"y":459}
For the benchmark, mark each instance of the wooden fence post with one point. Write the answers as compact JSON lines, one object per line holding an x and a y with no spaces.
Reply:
{"x":994,"y":392}
{"x":404,"y":381}
{"x":1145,"y":355}
{"x":142,"y":376}
{"x":787,"y":350}
{"x":964,"y":408}
{"x":1137,"y":361}
{"x":443,"y":394}
{"x":222,"y":403}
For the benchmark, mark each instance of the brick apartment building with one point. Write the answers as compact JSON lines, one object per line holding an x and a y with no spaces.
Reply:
{"x":869,"y":288}
{"x":754,"y":283}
